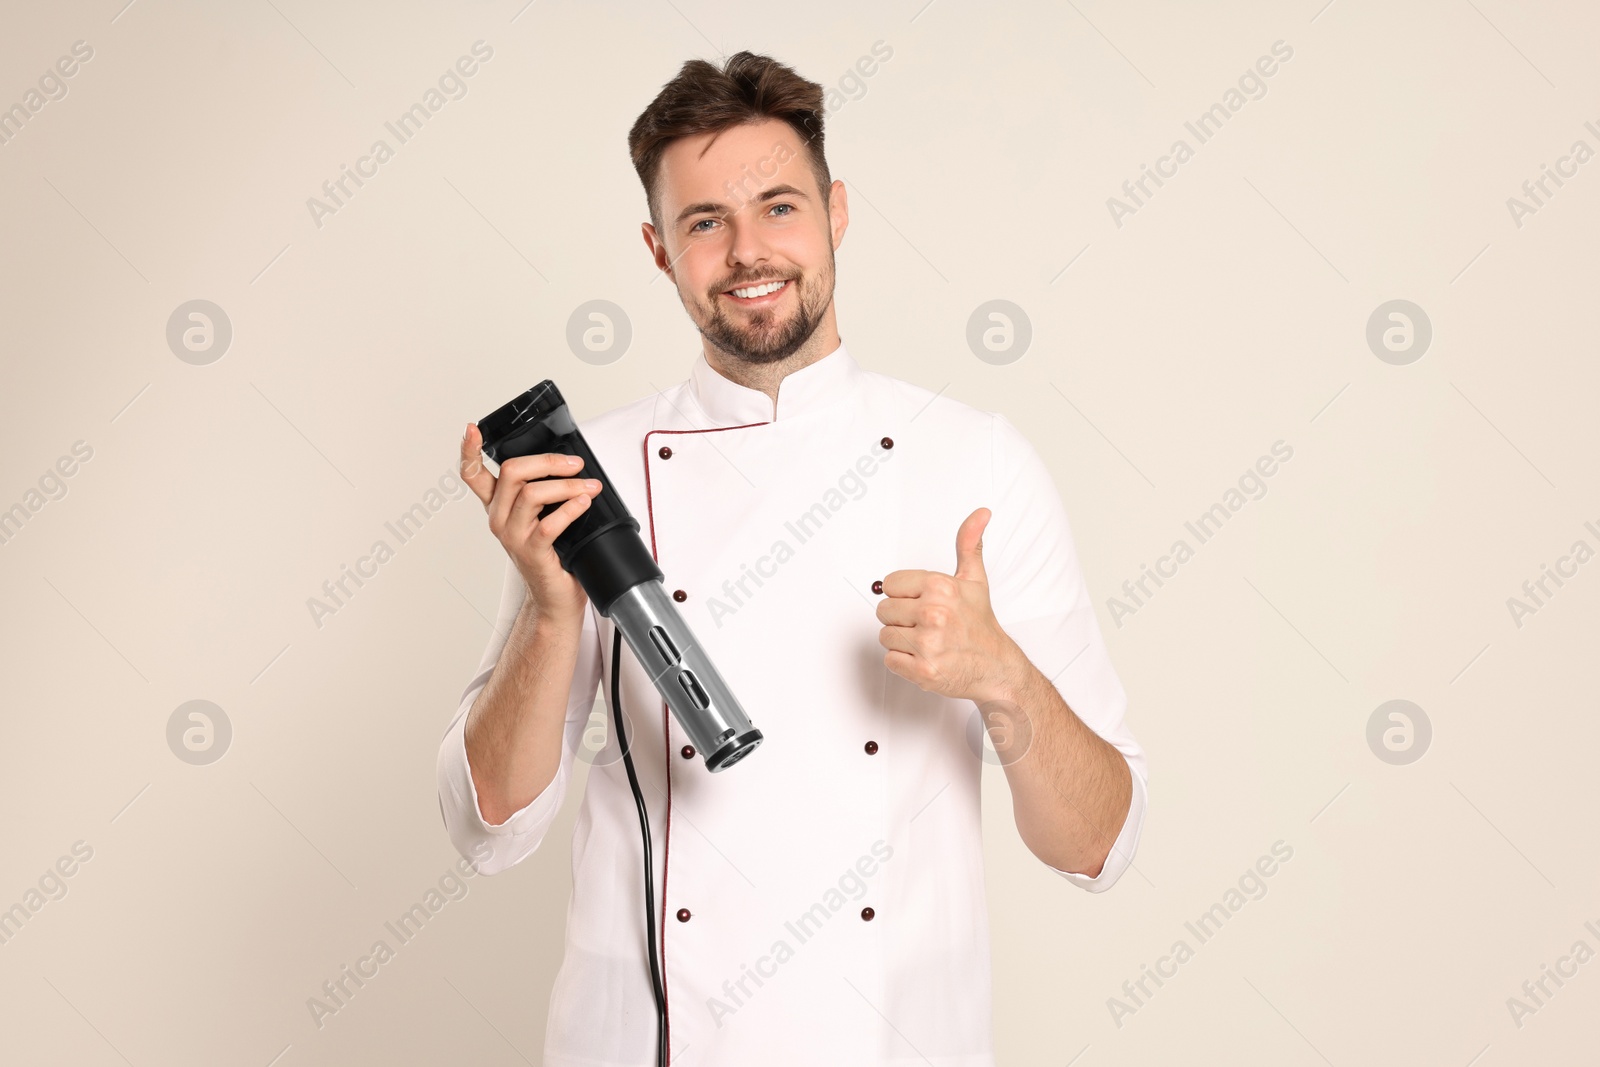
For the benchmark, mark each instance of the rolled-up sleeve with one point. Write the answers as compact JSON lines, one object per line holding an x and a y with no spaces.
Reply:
{"x":497,"y":846}
{"x":1039,"y":597}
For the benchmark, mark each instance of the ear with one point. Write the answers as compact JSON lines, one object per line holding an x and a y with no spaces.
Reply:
{"x":838,"y":212}
{"x":658,"y":248}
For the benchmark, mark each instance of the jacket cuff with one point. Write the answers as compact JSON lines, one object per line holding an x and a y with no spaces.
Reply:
{"x":509,"y":841}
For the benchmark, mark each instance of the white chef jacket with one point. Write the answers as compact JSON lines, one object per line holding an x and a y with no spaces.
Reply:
{"x":821,"y":901}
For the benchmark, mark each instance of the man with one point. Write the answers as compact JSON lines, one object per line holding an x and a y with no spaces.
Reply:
{"x":821,"y":902}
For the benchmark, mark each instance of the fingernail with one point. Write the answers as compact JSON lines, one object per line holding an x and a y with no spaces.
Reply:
{"x":592,"y":485}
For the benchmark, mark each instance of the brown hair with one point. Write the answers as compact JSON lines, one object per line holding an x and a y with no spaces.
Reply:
{"x":703,"y":99}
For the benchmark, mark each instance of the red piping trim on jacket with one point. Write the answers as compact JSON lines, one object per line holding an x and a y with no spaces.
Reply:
{"x":666,"y":733}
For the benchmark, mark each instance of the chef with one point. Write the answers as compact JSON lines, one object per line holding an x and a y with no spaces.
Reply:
{"x":883,"y":575}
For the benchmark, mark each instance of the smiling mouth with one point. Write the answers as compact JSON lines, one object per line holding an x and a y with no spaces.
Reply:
{"x":761,"y":293}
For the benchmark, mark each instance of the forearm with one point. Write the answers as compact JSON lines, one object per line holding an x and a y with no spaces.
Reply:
{"x":1070,"y":788}
{"x":514,"y":731}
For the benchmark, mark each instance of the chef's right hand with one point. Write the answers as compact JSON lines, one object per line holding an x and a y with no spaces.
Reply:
{"x":514,"y":501}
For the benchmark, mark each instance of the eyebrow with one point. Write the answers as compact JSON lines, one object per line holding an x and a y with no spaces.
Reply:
{"x":711,"y":207}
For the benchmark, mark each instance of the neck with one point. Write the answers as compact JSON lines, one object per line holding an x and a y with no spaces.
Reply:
{"x":765,"y":377}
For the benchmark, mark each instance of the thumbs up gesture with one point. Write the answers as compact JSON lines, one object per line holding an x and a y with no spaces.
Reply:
{"x":939,"y":629}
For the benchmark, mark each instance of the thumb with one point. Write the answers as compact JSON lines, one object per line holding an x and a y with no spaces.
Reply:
{"x":478,"y":479}
{"x":969,"y":547}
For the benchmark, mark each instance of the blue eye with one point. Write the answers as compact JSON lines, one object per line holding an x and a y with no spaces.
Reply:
{"x":789,"y":206}
{"x":696,"y":227}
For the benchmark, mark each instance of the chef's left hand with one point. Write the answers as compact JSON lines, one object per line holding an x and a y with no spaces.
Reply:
{"x":939,"y":629}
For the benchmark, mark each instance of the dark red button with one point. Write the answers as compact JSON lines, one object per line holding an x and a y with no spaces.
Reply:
{"x":679,"y":595}
{"x":866,"y":913}
{"x":887,"y":442}
{"x":688,"y":752}
{"x":877,"y":587}
{"x":872,"y":748}
{"x":666,"y":453}
{"x":683,"y":914}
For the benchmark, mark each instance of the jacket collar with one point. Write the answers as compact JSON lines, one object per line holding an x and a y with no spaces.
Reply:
{"x":811,"y":388}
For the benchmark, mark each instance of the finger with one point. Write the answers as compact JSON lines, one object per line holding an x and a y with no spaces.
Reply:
{"x":909,"y":583}
{"x":902,"y":664}
{"x":517,"y":472}
{"x":473,"y":471}
{"x":555,"y":524}
{"x":540,"y":465}
{"x":899,"y":611}
{"x":897,"y":639}
{"x":535,"y":496}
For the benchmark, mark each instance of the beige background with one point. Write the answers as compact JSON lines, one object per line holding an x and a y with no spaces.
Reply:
{"x":1228,"y":313}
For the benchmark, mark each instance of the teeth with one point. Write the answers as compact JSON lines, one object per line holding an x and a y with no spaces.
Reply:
{"x":758,"y":290}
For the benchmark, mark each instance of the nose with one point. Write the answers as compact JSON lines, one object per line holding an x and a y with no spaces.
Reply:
{"x":748,"y":247}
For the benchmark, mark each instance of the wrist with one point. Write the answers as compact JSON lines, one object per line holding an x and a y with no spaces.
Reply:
{"x":533,"y":626}
{"x":1010,"y":679}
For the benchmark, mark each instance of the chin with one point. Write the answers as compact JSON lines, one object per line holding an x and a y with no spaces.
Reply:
{"x":767,"y":354}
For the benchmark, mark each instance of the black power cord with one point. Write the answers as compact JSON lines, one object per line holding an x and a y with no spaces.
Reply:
{"x":649,"y":867}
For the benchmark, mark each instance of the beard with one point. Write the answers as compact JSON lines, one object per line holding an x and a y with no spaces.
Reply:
{"x":767,"y":335}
